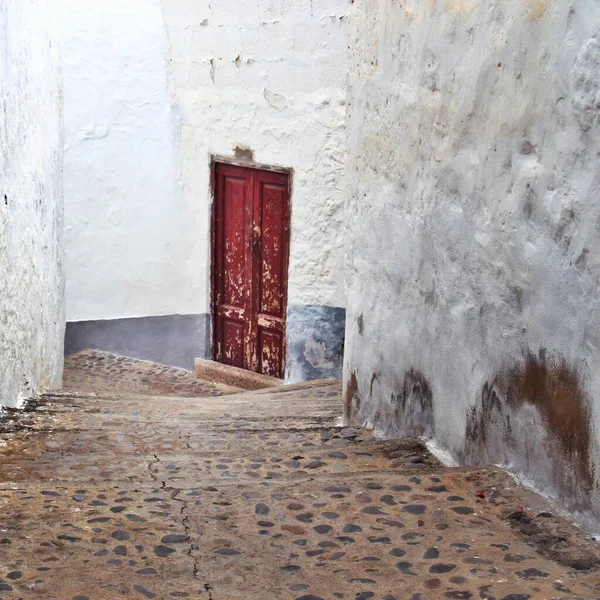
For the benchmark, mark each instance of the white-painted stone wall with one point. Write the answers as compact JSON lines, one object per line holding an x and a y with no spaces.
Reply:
{"x":268,"y":75}
{"x":151,"y":93}
{"x":473,"y":274}
{"x":132,"y":243}
{"x":31,"y":210}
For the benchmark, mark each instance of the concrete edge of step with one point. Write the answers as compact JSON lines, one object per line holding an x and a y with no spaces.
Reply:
{"x":210,"y":370}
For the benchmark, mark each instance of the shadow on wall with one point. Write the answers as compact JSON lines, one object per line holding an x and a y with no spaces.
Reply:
{"x":533,"y":418}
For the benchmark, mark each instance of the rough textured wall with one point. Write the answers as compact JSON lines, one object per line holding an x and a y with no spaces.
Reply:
{"x":315,"y":342}
{"x":474,"y":230}
{"x":31,"y":217}
{"x":267,"y":77}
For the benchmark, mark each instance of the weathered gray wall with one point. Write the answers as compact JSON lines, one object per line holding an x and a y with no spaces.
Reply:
{"x":315,"y":342}
{"x":474,"y":233}
{"x":31,"y":212}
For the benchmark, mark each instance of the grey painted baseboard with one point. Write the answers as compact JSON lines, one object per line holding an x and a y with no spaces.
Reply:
{"x":174,"y":340}
{"x":315,"y":342}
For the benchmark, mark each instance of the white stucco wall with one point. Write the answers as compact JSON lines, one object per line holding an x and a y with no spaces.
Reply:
{"x":31,"y":211}
{"x":132,"y":243}
{"x":147,"y":106}
{"x":473,"y":237}
{"x":268,"y":75}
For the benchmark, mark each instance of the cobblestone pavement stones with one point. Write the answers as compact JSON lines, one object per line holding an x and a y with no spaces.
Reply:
{"x":97,"y":371}
{"x":258,"y":495}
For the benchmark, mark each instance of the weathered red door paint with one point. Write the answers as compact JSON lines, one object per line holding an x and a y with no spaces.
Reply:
{"x":250,"y":264}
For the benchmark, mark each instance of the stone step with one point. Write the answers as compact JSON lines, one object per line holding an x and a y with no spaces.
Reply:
{"x":210,"y":370}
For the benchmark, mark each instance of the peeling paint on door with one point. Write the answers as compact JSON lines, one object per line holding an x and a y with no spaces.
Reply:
{"x":251,"y":247}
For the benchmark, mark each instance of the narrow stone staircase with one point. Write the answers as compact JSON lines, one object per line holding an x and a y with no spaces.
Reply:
{"x":138,"y":482}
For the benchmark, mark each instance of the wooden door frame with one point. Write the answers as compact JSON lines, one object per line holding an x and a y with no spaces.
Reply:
{"x":224,"y":160}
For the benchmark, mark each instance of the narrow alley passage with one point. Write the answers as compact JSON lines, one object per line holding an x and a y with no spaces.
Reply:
{"x":255,"y":495}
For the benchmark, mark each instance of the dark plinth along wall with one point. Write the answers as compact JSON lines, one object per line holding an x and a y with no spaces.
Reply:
{"x":174,"y":340}
{"x":315,"y":342}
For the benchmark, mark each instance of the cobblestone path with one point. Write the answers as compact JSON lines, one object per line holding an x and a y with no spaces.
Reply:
{"x":97,"y":371}
{"x":258,"y":495}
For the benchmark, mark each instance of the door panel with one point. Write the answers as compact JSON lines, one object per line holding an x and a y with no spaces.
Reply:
{"x":232,"y":286}
{"x":271,"y":265}
{"x":232,"y":336}
{"x":271,"y":346}
{"x":251,"y":248}
{"x":271,"y":219}
{"x":234,"y":242}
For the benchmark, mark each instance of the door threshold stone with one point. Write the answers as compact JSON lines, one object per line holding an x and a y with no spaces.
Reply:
{"x":210,"y":370}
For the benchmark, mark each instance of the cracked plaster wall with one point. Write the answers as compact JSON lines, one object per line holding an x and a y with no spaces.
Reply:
{"x":31,"y":204}
{"x":473,"y":233}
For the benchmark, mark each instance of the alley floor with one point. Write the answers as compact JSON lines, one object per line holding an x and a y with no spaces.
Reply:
{"x":137,"y":489}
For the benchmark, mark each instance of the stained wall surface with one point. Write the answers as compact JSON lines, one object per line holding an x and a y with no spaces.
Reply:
{"x":473,"y":233}
{"x":31,"y":209}
{"x":147,"y":110}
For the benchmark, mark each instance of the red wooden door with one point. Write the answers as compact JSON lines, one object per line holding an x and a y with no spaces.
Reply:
{"x":250,"y":256}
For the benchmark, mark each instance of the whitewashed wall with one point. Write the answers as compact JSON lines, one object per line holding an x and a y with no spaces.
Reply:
{"x":269,"y":76}
{"x":31,"y":209}
{"x":131,"y":244}
{"x":474,"y":238}
{"x":147,"y":107}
